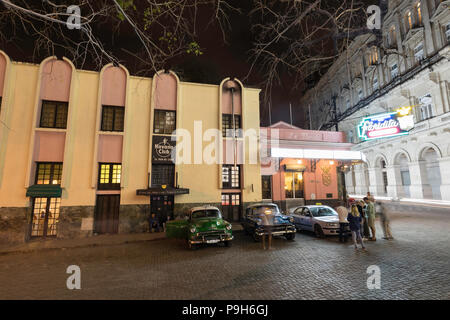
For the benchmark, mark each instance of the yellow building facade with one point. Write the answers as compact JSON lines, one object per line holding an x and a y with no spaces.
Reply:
{"x":85,"y":152}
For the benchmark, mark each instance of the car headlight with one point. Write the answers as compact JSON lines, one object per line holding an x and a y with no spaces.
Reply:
{"x":193,"y":229}
{"x":228,"y":226}
{"x":291,"y":219}
{"x":331,"y":224}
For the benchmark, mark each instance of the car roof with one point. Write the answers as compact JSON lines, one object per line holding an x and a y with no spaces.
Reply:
{"x":260,"y":204}
{"x":207,"y":207}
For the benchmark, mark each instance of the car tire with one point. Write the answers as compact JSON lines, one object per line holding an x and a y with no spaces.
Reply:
{"x":192,"y":246}
{"x":228,"y":243}
{"x":318,"y":231}
{"x":290,"y":236}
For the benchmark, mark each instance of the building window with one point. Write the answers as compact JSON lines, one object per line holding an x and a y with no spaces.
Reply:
{"x":112,"y":118}
{"x":447,"y":32}
{"x":53,"y":115}
{"x":293,"y":185}
{"x":347,"y":104}
{"x":48,"y":172}
{"x":350,"y":136}
{"x":392,"y":38}
{"x":360,"y":94}
{"x":45,"y":216}
{"x":418,"y":52}
{"x":418,"y":14}
{"x":266,"y":184}
{"x":375,"y":84}
{"x":109,"y":176}
{"x":408,"y":21}
{"x":163,"y":174}
{"x":164,"y":122}
{"x":426,"y":107}
{"x":231,"y":177}
{"x":373,"y":56}
{"x":227,"y":125}
{"x":394,"y":71}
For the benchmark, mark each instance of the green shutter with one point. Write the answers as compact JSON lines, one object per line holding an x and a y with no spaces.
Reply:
{"x":44,"y":191}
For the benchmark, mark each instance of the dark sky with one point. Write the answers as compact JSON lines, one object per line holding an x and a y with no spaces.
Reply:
{"x":218,"y":61}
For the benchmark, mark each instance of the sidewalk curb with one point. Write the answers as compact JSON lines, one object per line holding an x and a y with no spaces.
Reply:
{"x":21,"y":251}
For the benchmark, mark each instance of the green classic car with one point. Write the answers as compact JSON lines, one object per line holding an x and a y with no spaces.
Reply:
{"x":202,"y":225}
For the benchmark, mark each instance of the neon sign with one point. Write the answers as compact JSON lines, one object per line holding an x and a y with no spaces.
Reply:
{"x":385,"y":125}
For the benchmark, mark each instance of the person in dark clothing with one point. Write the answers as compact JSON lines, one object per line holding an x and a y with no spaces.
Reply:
{"x":354,"y":219}
{"x":153,"y":223}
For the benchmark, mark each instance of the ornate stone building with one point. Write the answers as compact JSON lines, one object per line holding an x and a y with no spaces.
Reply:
{"x":406,"y":69}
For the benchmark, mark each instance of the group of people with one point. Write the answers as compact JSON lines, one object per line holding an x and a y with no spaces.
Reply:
{"x":361,"y":220}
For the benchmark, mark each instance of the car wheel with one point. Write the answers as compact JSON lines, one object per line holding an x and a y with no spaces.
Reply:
{"x":290,"y":236}
{"x":228,"y":244}
{"x":192,"y":246}
{"x":318,"y":231}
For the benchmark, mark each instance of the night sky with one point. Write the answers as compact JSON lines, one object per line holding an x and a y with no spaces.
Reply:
{"x":219,"y":60}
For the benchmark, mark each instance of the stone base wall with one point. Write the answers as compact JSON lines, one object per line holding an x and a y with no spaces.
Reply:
{"x":70,"y":221}
{"x":14,"y":224}
{"x":134,"y":218}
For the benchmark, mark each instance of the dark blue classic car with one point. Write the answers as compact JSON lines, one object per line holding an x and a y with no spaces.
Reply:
{"x":265,"y":218}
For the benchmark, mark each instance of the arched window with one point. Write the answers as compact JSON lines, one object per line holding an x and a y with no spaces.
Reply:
{"x":418,"y":14}
{"x":408,"y":21}
{"x":392,"y":37}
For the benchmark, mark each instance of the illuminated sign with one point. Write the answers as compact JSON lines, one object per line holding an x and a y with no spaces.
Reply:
{"x":385,"y":125}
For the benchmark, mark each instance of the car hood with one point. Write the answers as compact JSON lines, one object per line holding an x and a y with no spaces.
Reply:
{"x":328,"y":219}
{"x":277,"y":219}
{"x":205,"y":224}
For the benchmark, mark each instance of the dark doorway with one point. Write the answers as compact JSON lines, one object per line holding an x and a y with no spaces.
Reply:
{"x":231,"y":206}
{"x":107,"y":213}
{"x":162,"y":206}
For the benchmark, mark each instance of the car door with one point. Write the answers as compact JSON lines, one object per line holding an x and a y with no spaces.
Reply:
{"x":297,"y":215}
{"x":307,"y":220}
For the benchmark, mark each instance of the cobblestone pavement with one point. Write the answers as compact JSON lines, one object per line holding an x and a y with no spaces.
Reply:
{"x":416,"y":265}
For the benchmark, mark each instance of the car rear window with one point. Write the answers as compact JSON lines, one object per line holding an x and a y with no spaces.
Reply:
{"x":209,"y":213}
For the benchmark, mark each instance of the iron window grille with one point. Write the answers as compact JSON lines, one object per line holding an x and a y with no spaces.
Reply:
{"x":227,"y":125}
{"x":48,"y":172}
{"x":163,"y":174}
{"x":109,"y":176}
{"x":164,"y":122}
{"x":112,"y":118}
{"x":231,"y":177}
{"x":54,"y":115}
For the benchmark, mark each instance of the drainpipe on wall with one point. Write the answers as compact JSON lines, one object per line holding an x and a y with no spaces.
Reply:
{"x":234,"y":128}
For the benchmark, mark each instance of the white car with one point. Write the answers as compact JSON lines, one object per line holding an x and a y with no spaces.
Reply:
{"x":322,"y":220}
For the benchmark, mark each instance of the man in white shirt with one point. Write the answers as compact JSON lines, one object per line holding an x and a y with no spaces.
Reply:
{"x":343,"y":213}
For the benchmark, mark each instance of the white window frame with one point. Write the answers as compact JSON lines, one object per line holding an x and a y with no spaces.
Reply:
{"x":394,"y":73}
{"x":447,"y":32}
{"x":418,"y":54}
{"x":426,"y":106}
{"x":360,"y":93}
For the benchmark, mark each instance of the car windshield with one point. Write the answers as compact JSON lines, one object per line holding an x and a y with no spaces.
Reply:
{"x":322,"y":212}
{"x":266,"y":210}
{"x":209,"y":213}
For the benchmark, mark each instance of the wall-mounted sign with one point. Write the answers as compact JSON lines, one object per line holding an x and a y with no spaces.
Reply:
{"x":387,"y":124}
{"x":294,"y":167}
{"x":162,"y":149}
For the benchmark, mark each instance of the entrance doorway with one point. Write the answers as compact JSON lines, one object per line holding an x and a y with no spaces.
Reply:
{"x":162,"y":207}
{"x":231,"y":206}
{"x":107,"y":213}
{"x":45,"y":215}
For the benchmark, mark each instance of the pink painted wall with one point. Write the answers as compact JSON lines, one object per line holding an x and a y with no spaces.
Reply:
{"x":110,"y":148}
{"x":2,"y":73}
{"x":165,"y":91}
{"x":228,"y":152}
{"x":55,"y":81}
{"x":304,"y":135}
{"x":226,"y":98}
{"x":49,"y":146}
{"x":310,"y":180}
{"x":114,"y":84}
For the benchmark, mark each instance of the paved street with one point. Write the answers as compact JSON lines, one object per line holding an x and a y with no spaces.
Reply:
{"x":416,"y":265}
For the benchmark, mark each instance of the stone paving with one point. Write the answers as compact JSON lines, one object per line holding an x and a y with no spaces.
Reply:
{"x":416,"y":265}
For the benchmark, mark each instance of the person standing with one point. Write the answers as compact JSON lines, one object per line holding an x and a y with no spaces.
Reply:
{"x":370,"y":196}
{"x":365,"y":229}
{"x":342,"y":213}
{"x":370,"y":212}
{"x":354,"y":219}
{"x":385,"y":222}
